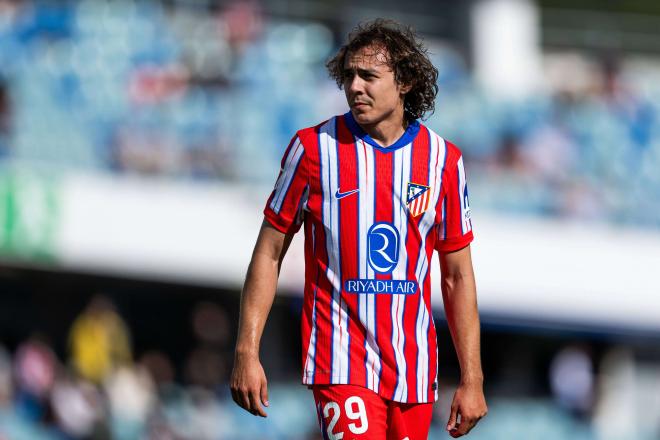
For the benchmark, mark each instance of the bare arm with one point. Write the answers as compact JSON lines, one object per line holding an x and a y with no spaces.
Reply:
{"x":459,"y":295}
{"x":248,"y":380}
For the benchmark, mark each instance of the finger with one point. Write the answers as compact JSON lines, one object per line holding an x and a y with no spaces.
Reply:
{"x":454,"y":432}
{"x":236,"y":396}
{"x":255,"y":406}
{"x":451,"y":423}
{"x":243,"y":399}
{"x":264,"y":393}
{"x":466,"y":425}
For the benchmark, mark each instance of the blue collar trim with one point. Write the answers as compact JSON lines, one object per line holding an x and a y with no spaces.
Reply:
{"x":407,"y":137}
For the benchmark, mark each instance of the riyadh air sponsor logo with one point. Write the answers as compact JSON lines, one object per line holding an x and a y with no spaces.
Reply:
{"x":418,"y":198}
{"x":383,"y":247}
{"x":392,"y":287}
{"x":341,"y":195}
{"x":383,"y":256}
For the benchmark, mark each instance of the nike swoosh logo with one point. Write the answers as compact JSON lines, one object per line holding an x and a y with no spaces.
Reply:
{"x":341,"y":195}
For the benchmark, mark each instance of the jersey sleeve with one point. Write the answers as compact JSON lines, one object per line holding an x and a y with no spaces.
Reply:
{"x":454,"y":231}
{"x":286,"y":204}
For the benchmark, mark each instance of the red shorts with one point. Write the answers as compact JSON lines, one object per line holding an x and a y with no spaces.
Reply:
{"x":348,"y":412}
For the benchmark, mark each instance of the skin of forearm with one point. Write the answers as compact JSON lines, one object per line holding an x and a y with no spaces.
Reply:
{"x":460,"y":300}
{"x":259,"y":291}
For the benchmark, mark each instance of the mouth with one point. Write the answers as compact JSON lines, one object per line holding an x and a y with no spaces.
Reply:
{"x":359,"y":104}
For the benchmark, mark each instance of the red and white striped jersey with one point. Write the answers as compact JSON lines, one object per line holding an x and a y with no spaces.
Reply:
{"x":372,"y":217}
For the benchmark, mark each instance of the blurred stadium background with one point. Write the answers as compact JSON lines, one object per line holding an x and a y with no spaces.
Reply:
{"x":140,"y":139}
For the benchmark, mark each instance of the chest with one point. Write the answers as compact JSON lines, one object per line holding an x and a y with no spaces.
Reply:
{"x":356,"y":180}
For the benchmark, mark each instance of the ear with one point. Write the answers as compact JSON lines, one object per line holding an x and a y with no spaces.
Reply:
{"x":405,"y":88}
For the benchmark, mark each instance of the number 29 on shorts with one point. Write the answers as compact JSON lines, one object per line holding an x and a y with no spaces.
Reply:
{"x":354,"y":410}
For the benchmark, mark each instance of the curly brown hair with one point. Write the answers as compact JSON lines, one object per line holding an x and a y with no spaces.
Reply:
{"x":406,"y":56}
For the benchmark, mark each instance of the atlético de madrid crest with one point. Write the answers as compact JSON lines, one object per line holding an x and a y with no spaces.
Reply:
{"x":418,"y":198}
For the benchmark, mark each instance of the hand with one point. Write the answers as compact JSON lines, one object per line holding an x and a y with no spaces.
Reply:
{"x":249,"y":387}
{"x":469,"y":402}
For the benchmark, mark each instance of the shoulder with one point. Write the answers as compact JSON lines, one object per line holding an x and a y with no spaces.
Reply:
{"x":309,"y":135}
{"x":451,"y":152}
{"x":454,"y":153}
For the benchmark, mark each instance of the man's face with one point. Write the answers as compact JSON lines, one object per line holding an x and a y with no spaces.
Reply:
{"x":371,"y":91}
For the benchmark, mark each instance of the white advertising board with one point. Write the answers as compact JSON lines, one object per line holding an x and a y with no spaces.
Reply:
{"x":527,"y":269}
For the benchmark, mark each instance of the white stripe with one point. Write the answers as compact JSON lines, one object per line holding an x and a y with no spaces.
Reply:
{"x":366,"y":177}
{"x":286,"y":177}
{"x":466,"y":224}
{"x":310,"y":364}
{"x":418,"y":205}
{"x":423,"y":356}
{"x":438,"y":151}
{"x":330,"y":184}
{"x":402,"y":162}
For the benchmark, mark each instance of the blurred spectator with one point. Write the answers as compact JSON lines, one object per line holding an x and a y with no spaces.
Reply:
{"x":209,"y":159}
{"x":211,"y":324}
{"x":131,"y":394}
{"x":616,"y":411}
{"x":206,"y":368}
{"x":159,"y":367}
{"x":206,"y":416}
{"x":79,"y":408}
{"x":10,"y":13}
{"x":6,"y":384}
{"x":152,"y":85}
{"x":34,"y":367}
{"x":243,"y":23}
{"x":510,"y":158}
{"x":99,"y":340}
{"x":550,"y":152}
{"x":208,"y":364}
{"x":5,"y":118}
{"x":572,"y":380}
{"x":144,"y":151}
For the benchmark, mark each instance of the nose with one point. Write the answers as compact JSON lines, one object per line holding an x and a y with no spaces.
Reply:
{"x":355,"y":85}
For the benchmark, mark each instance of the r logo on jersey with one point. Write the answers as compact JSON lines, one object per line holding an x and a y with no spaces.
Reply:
{"x":383,"y":243}
{"x":418,"y":198}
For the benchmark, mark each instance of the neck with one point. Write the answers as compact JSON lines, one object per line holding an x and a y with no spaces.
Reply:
{"x":388,"y":130}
